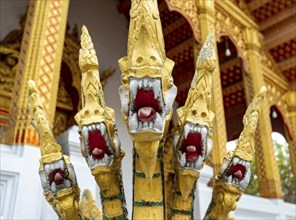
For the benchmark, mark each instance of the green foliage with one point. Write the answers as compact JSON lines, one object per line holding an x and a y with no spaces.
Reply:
{"x":286,"y":174}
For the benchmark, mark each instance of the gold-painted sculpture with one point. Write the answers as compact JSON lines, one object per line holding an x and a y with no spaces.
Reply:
{"x":56,"y":171}
{"x":192,"y":141}
{"x":98,"y":133}
{"x":147,"y":94}
{"x":235,"y":173}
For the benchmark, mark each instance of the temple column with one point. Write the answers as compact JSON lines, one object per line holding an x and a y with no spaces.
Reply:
{"x":267,"y":168}
{"x":206,"y":13}
{"x":291,"y":104}
{"x":40,"y":60}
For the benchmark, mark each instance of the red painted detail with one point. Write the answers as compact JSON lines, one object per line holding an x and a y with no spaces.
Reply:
{"x":146,"y":105}
{"x":193,"y":139}
{"x":237,"y":171}
{"x":57,"y":176}
{"x":97,"y":145}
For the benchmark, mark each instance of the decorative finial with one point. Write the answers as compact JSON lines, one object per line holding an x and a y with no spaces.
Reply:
{"x":245,"y":145}
{"x":93,"y":97}
{"x":40,"y":122}
{"x":198,"y":103}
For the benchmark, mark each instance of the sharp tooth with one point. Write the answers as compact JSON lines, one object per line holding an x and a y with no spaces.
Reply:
{"x":198,"y":129}
{"x":110,"y":158}
{"x":150,"y":125}
{"x":107,"y":159}
{"x":103,"y":159}
{"x":156,"y":88}
{"x":102,"y":129}
{"x":145,"y":83}
{"x":91,"y":161}
{"x":170,"y":98}
{"x":90,"y":128}
{"x":140,"y":84}
{"x":209,"y":147}
{"x":198,"y":163}
{"x":94,"y":127}
{"x":52,"y":166}
{"x":133,"y":88}
{"x":98,"y":126}
{"x":85,"y":132}
{"x":145,"y":125}
{"x":57,"y":164}
{"x":195,"y":129}
{"x":158,"y":122}
{"x":44,"y":182}
{"x":67,"y":183}
{"x":245,"y":181}
{"x":133,"y":122}
{"x":186,"y":130}
{"x":53,"y":187}
{"x":47,"y":168}
{"x":140,"y":125}
{"x":229,"y":180}
{"x":203,"y":132}
{"x":247,"y":165}
{"x":183,"y":160}
{"x":150,"y":84}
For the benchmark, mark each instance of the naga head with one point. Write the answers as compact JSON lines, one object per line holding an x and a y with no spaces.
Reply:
{"x":98,"y":133}
{"x":56,"y":173}
{"x":147,"y":92}
{"x":235,"y":169}
{"x":193,"y":141}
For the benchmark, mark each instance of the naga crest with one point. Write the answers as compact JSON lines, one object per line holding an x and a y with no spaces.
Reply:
{"x":193,"y":141}
{"x":147,"y":92}
{"x":56,"y":172}
{"x":96,"y":121}
{"x":235,"y":169}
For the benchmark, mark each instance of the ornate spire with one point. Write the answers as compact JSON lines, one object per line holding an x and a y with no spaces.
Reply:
{"x":146,"y":52}
{"x":39,"y":120}
{"x":145,"y":40}
{"x":92,"y":92}
{"x":245,"y":146}
{"x":198,"y":102}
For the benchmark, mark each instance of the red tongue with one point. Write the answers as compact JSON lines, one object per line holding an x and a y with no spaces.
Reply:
{"x":146,"y":105}
{"x":192,"y":146}
{"x":237,"y":171}
{"x":146,"y":114}
{"x":238,"y":174}
{"x":56,"y":176}
{"x":97,"y":145}
{"x":58,"y":179}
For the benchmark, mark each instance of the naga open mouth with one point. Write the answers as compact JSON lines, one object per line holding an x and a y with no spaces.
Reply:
{"x":192,"y":146}
{"x":97,"y":145}
{"x":56,"y":176}
{"x":146,"y":105}
{"x":238,"y":173}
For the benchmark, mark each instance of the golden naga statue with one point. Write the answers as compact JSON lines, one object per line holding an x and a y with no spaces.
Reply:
{"x":147,"y":94}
